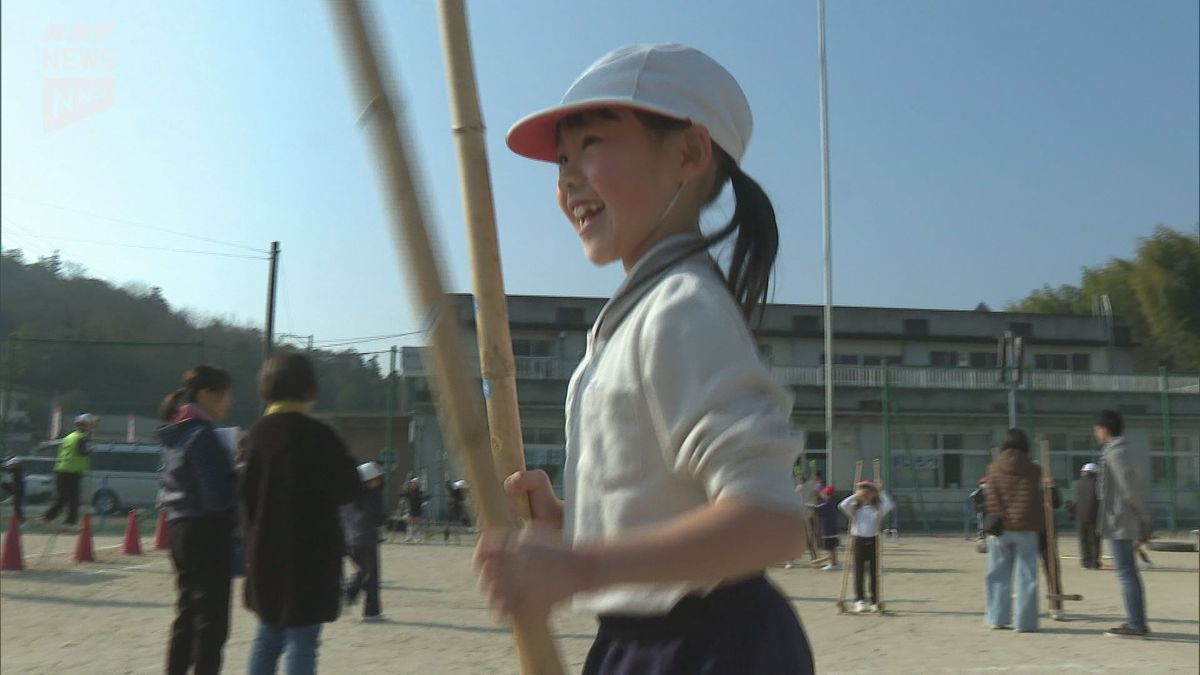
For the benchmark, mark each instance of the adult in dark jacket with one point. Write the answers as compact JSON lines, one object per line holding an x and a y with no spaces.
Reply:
{"x":199,"y":492}
{"x":296,"y":475}
{"x":1014,"y":493}
{"x":1084,"y":509}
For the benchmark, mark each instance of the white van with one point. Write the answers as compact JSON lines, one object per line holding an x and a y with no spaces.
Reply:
{"x":123,"y":475}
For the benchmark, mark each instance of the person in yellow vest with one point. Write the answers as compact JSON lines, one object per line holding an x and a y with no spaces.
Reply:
{"x":73,"y":461}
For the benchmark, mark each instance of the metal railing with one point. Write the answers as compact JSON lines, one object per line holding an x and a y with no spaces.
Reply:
{"x":920,"y":377}
{"x":903,"y":377}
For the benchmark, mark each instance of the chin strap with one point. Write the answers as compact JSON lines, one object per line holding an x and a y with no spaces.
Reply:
{"x":662,"y":218}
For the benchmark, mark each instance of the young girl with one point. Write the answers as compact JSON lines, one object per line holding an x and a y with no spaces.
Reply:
{"x":199,"y":491}
{"x":678,"y":475}
{"x":866,"y":508}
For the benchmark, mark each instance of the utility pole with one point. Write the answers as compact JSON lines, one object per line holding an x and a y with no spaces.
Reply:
{"x":828,"y":239}
{"x":389,"y":445}
{"x":1010,"y":352}
{"x":270,"y":328}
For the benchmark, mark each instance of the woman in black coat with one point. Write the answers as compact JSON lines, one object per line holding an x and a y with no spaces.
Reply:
{"x":297,"y":474}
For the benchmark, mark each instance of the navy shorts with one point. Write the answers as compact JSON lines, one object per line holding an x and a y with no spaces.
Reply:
{"x":747,"y":627}
{"x":831,"y":543}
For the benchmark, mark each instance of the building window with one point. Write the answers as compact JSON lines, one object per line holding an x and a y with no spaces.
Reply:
{"x":1052,"y":361}
{"x":814,"y":440}
{"x":765,"y":353}
{"x":880,"y":359}
{"x":841,"y":359}
{"x":543,"y":435}
{"x":569,"y":316}
{"x":1021,"y":329}
{"x":943,"y":359}
{"x":916,"y":327}
{"x":1058,"y":443}
{"x":952,"y":470}
{"x":531,"y":348}
{"x":804,"y":323}
{"x":983,"y":359}
{"x":1081,"y":363}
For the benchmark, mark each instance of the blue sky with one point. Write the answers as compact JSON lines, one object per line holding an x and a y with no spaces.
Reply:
{"x":979,"y":149}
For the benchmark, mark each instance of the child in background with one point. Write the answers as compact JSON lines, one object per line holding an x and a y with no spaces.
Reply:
{"x":978,"y":501}
{"x":361,"y":520}
{"x":456,"y":503}
{"x":826,"y":512}
{"x":866,"y":508}
{"x":416,"y":502}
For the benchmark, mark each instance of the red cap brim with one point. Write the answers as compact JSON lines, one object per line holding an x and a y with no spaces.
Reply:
{"x":536,"y":136}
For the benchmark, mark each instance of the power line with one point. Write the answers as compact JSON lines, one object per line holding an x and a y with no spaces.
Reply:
{"x":137,"y":246}
{"x":142,"y":225}
{"x":376,"y":338}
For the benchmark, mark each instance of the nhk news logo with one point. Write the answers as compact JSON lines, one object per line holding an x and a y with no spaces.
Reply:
{"x":76,"y":59}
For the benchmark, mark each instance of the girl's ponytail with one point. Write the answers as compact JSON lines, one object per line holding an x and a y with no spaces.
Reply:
{"x":170,"y":404}
{"x":195,"y":379}
{"x":757,"y":241}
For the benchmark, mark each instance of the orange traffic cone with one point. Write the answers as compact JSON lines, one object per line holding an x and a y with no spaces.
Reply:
{"x":133,"y":541}
{"x":84,"y":552}
{"x":161,"y":541}
{"x":11,"y":558}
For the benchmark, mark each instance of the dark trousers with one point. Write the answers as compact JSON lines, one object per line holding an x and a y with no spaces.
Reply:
{"x":18,"y":492}
{"x":1089,"y":545}
{"x":66,"y":493}
{"x":202,"y":551}
{"x":366,"y":578}
{"x":747,"y":627}
{"x":864,"y":556}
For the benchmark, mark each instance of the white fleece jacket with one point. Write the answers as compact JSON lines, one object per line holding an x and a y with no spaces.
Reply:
{"x":670,"y":410}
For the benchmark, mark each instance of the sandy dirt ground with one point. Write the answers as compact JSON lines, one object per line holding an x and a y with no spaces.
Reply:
{"x":111,"y":617}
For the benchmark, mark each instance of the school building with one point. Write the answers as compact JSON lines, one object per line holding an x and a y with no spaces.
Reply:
{"x":917,"y":388}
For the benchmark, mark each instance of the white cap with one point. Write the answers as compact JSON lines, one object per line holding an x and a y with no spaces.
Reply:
{"x":85,"y":418}
{"x":368,"y":471}
{"x":669,"y":79}
{"x":461,"y":484}
{"x":1090,"y":467}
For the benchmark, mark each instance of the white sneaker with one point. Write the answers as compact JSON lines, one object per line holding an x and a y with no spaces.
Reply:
{"x":860,"y":607}
{"x":831,"y":567}
{"x":875,"y":608}
{"x":789,"y":565}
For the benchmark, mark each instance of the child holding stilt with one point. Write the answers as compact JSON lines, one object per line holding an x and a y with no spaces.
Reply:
{"x":826,"y":512}
{"x":677,"y":485}
{"x":866,"y":509}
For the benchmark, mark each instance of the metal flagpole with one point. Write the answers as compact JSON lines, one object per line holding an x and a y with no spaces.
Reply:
{"x":828,"y":239}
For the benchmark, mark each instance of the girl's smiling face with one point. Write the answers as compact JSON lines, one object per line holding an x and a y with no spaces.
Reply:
{"x":615,"y":179}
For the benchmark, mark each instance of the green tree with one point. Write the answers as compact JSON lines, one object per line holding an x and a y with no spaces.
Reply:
{"x":1157,"y":294}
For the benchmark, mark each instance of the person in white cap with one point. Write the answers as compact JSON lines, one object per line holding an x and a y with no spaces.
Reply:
{"x":1085,"y":509}
{"x":677,"y":482}
{"x":74,"y":460}
{"x":361,"y":520}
